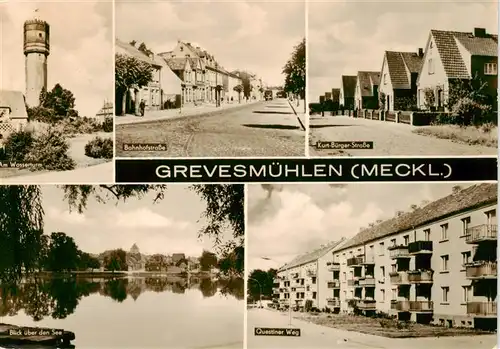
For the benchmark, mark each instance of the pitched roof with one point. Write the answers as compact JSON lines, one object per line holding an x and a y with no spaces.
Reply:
{"x":399,"y":63}
{"x":349,"y":85}
{"x":449,"y":52}
{"x":366,"y":81}
{"x":468,"y":198}
{"x":127,"y":49}
{"x":335,"y":94}
{"x":176,"y":63}
{"x":15,"y":101}
{"x":313,"y":255}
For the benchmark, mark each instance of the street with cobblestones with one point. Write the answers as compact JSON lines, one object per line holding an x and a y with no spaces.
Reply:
{"x":258,"y":129}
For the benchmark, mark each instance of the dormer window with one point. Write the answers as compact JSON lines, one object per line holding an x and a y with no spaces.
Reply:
{"x":182,"y":48}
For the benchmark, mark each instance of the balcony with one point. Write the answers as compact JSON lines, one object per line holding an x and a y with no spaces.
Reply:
{"x":333,"y":284}
{"x":420,"y":276}
{"x":352,"y":282}
{"x":401,"y":306}
{"x":367,"y":304}
{"x":399,"y":278}
{"x":355,"y":262}
{"x":276,"y":291}
{"x":333,"y":302}
{"x":486,"y":309}
{"x":368,"y":260}
{"x":298,"y":288}
{"x":396,"y":252}
{"x":481,"y":270}
{"x":480,"y":233}
{"x":420,"y":247}
{"x":421,"y":306}
{"x":333,"y":266}
{"x":368,"y":281}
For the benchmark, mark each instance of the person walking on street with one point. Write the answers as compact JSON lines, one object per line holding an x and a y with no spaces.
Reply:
{"x":142,"y":107}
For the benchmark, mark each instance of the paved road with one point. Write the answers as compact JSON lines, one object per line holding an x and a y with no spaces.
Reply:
{"x":321,"y":337}
{"x":259,"y":129}
{"x":389,"y":139}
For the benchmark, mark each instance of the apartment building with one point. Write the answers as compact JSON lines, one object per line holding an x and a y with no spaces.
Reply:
{"x":306,"y":277}
{"x":436,"y":264}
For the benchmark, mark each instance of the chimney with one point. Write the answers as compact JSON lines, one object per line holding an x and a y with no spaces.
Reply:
{"x":420,"y":52}
{"x":480,"y":32}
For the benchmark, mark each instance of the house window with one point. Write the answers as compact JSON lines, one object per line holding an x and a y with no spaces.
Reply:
{"x":444,"y":262}
{"x":466,"y":256}
{"x":382,"y":271}
{"x":381,"y":249}
{"x":407,"y":239}
{"x":345,"y":276}
{"x":491,"y":217}
{"x":490,"y":69}
{"x":466,"y":294}
{"x":430,"y":66}
{"x":314,"y":295}
{"x":313,"y":279}
{"x":382,"y":295}
{"x":393,"y":242}
{"x":385,"y":79}
{"x":394,"y":294}
{"x":444,"y":231}
{"x":465,"y":225}
{"x":394,"y":268}
{"x":446,"y":291}
{"x":427,"y":234}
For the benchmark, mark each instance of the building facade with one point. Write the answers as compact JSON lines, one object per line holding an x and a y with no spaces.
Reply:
{"x":347,"y":90}
{"x":437,"y":264}
{"x":305,"y":278}
{"x":105,"y":112}
{"x":366,"y":91}
{"x":13,"y":113}
{"x":452,"y":56}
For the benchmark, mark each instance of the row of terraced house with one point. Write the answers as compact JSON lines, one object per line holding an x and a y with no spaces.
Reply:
{"x":186,"y":76}
{"x":421,"y":79}
{"x":436,"y":264}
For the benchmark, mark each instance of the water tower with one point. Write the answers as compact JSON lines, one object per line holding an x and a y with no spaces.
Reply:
{"x":36,"y":51}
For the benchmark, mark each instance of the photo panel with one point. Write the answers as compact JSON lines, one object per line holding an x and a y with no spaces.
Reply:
{"x":403,"y":79}
{"x":210,"y":79}
{"x":56,"y":92}
{"x":117,"y":266}
{"x":372,"y":265}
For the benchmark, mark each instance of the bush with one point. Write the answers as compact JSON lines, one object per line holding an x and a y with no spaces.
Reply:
{"x":50,"y":152}
{"x":18,"y":145}
{"x":43,"y":115}
{"x":99,"y":148}
{"x":469,"y":112}
{"x":107,"y":125}
{"x":308,"y":305}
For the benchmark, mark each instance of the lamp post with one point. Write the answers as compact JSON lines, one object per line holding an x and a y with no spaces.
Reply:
{"x":289,"y":291}
{"x":260,"y":286}
{"x":216,"y":86}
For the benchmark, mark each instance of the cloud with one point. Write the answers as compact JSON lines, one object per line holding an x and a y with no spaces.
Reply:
{"x":65,"y":216}
{"x":81,"y":55}
{"x":346,"y":37}
{"x":247,"y":35}
{"x":143,"y":218}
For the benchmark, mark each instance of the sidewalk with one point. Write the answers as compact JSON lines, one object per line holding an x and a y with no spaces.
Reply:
{"x":158,"y":115}
{"x":299,"y":111}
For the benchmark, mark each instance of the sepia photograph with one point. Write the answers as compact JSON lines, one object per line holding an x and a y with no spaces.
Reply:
{"x":210,"y":78}
{"x":403,"y":79}
{"x":56,"y":91}
{"x":389,"y":266}
{"x":116,"y":266}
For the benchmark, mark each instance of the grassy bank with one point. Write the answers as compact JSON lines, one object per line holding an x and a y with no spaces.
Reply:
{"x":386,"y":327}
{"x":82,"y":274}
{"x":485,"y":135}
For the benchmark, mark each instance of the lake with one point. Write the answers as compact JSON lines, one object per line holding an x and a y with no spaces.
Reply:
{"x":132,"y":312}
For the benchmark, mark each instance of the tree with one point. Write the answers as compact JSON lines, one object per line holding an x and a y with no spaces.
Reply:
{"x":245,"y":82}
{"x":381,"y":100}
{"x":86,"y":261}
{"x":239,"y":89}
{"x":63,"y":253}
{"x":59,"y":99}
{"x":261,"y":281}
{"x":130,"y":72}
{"x":232,"y":262}
{"x":181,"y":261}
{"x":143,"y":48}
{"x":295,"y":72}
{"x":116,"y":260}
{"x":208,"y":260}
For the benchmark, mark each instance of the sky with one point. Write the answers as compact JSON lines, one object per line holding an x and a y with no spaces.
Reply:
{"x":166,"y":227}
{"x":256,"y":36}
{"x":349,"y":36}
{"x":301,"y":217}
{"x":81,"y":56}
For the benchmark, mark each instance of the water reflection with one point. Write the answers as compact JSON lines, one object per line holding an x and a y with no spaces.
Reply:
{"x":58,"y":298}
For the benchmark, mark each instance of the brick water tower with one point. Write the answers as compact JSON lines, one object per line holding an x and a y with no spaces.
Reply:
{"x":36,"y":51}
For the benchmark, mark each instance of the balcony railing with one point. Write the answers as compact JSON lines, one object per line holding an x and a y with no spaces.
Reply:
{"x":298,"y":288}
{"x":399,"y":278}
{"x":355,"y":261}
{"x":421,"y":306}
{"x":479,"y":233}
{"x":402,"y":306}
{"x":481,"y":270}
{"x":333,"y":302}
{"x":417,"y":247}
{"x":352,"y":282}
{"x":368,"y":281}
{"x":400,"y":251}
{"x":482,"y":308}
{"x":333,"y":284}
{"x":420,"y":276}
{"x":367,"y":304}
{"x":368,"y":259}
{"x":333,"y":266}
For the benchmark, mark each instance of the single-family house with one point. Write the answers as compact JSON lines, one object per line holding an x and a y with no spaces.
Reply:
{"x":399,"y":76}
{"x":450,"y":56}
{"x":366,"y":92}
{"x":182,"y":68}
{"x":347,"y":89}
{"x":13,"y":113}
{"x":335,"y":98}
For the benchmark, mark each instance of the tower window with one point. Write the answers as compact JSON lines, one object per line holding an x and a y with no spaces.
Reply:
{"x":40,"y":35}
